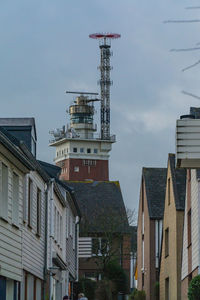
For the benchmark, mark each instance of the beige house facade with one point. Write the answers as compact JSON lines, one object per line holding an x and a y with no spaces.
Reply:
{"x":171,"y":255}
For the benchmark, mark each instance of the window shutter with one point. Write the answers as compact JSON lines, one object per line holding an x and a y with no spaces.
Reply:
{"x":74,"y":235}
{"x":15,"y":199}
{"x":38,"y":211}
{"x":25,"y":197}
{"x":55,"y":224}
{"x":58,"y":227}
{"x":30,"y":202}
{"x":67,"y":223}
{"x":4,"y":192}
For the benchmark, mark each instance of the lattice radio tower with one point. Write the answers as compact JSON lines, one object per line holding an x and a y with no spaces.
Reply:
{"x":105,"y":81}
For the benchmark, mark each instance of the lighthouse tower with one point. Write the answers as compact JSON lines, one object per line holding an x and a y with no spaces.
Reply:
{"x":81,"y":152}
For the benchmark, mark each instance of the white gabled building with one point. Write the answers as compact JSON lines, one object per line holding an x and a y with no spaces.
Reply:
{"x":63,"y":223}
{"x":41,"y":224}
{"x":34,"y":235}
{"x":13,"y":168}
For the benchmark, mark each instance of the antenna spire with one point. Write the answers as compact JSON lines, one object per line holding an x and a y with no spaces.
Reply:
{"x":105,"y":81}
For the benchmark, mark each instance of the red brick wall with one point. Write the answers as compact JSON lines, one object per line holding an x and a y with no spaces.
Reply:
{"x":98,"y":172}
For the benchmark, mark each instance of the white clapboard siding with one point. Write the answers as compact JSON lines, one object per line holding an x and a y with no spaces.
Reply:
{"x":194,"y":220}
{"x":33,"y":246}
{"x":70,"y":251}
{"x":85,"y":247}
{"x":10,"y":235}
{"x":187,"y":143}
{"x":59,"y":245}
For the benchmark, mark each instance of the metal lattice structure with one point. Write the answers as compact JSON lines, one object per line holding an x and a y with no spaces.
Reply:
{"x":105,"y":81}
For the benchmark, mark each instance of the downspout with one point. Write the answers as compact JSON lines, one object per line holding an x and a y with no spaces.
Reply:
{"x":46,"y":241}
{"x":76,"y":247}
{"x":131,"y":271}
{"x":51,"y":236}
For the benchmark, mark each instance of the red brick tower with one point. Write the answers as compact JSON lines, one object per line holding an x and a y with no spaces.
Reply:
{"x":80,"y":152}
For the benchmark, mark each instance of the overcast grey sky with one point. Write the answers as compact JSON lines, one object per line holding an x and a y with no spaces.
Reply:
{"x":45,"y":50}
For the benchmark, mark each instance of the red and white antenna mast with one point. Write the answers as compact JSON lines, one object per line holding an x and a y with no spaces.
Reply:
{"x":105,"y":81}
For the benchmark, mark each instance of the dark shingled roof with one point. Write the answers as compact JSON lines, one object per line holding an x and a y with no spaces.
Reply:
{"x":52,"y":170}
{"x":18,"y":122}
{"x":23,"y":129}
{"x":155,"y":183}
{"x":14,"y":146}
{"x":101,"y":205}
{"x":179,"y":183}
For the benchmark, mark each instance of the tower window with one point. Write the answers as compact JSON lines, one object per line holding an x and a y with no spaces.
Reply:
{"x":82,"y":150}
{"x":88,"y":150}
{"x":75,"y":150}
{"x":95,"y":151}
{"x":76,"y":169}
{"x":89,"y":162}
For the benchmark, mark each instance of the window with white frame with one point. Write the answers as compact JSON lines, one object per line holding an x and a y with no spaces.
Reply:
{"x":58,"y":227}
{"x":15,"y":199}
{"x":4,"y":192}
{"x":61,"y":232}
{"x":76,"y":169}
{"x":100,"y":246}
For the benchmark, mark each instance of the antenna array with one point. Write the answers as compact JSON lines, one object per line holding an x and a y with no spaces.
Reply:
{"x":105,"y":81}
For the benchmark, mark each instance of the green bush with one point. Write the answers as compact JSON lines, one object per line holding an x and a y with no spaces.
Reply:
{"x":114,"y":272}
{"x":133,"y":294}
{"x":194,"y":288}
{"x":157,"y":290}
{"x":87,"y":286}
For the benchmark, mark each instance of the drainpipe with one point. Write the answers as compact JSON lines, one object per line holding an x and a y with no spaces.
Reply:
{"x":46,"y":240}
{"x":51,"y":235}
{"x":76,"y":247}
{"x":131,"y":271}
